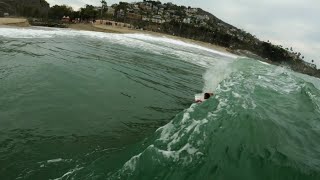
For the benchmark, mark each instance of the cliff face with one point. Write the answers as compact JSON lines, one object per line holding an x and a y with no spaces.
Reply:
{"x":28,"y":8}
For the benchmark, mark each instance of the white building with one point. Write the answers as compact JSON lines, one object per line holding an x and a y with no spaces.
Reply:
{"x":202,"y":17}
{"x":192,"y":10}
{"x":145,"y":18}
{"x":110,"y":10}
{"x":161,"y":10}
{"x":187,"y":20}
{"x":157,"y":19}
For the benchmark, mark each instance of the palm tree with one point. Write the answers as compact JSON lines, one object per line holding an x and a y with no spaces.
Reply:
{"x":103,"y":6}
{"x":299,"y":54}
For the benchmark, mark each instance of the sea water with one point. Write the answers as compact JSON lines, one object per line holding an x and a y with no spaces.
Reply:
{"x":90,"y":105}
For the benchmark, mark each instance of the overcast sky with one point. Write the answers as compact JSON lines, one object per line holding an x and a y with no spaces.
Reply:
{"x":291,"y":23}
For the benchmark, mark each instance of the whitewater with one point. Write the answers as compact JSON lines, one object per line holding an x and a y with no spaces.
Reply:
{"x":90,"y":105}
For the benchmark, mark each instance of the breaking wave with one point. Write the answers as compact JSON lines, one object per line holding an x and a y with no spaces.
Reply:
{"x":262,"y":119}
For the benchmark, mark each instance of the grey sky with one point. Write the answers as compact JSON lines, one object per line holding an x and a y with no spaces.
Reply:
{"x":291,"y":23}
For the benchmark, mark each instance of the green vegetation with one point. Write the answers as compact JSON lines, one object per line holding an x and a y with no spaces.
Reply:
{"x":194,"y":23}
{"x":88,"y":13}
{"x":56,"y":12}
{"x":26,"y":8}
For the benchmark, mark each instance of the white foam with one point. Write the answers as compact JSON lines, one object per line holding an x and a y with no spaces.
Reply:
{"x":132,"y":163}
{"x":142,"y":41}
{"x":264,"y":63}
{"x":69,"y":173}
{"x":236,"y":95}
{"x":169,"y":154}
{"x":215,"y":74}
{"x":55,"y":160}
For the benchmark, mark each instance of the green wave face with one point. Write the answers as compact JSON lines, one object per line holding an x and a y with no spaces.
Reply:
{"x":263,"y":123}
{"x":85,"y":105}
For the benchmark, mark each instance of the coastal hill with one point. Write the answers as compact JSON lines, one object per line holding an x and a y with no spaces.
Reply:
{"x":197,"y":24}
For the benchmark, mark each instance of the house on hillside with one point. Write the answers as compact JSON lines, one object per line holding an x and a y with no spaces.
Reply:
{"x":169,"y":4}
{"x":203,"y":24}
{"x":202,"y":17}
{"x":161,"y":6}
{"x":176,"y":17}
{"x":97,"y":8}
{"x":149,"y":8}
{"x":65,"y":19}
{"x":157,"y":19}
{"x":134,"y":16}
{"x":191,"y":10}
{"x":187,"y":20}
{"x":120,"y":13}
{"x":110,"y":11}
{"x":145,"y":18}
{"x":161,"y":11}
{"x":136,"y":8}
{"x":155,"y":9}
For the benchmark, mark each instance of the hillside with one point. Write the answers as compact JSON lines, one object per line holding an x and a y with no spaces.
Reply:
{"x":26,"y":8}
{"x":197,"y":24}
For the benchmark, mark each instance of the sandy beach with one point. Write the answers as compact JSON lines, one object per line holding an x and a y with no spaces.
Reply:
{"x":20,"y":22}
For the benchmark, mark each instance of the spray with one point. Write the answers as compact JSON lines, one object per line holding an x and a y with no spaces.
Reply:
{"x":216,"y":74}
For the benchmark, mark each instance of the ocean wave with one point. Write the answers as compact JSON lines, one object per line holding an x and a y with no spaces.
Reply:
{"x":161,"y":46}
{"x":237,"y":126}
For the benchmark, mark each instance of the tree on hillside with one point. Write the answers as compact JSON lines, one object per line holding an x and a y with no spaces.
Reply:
{"x":25,"y":9}
{"x":57,"y":12}
{"x":88,"y":13}
{"x":104,"y":8}
{"x":121,"y":10}
{"x":44,"y":3}
{"x":75,"y":14}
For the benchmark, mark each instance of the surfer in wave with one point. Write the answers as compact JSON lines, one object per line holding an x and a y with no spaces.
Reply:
{"x":204,"y":97}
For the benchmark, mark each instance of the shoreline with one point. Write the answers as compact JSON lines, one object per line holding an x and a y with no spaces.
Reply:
{"x":97,"y":27}
{"x":118,"y":29}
